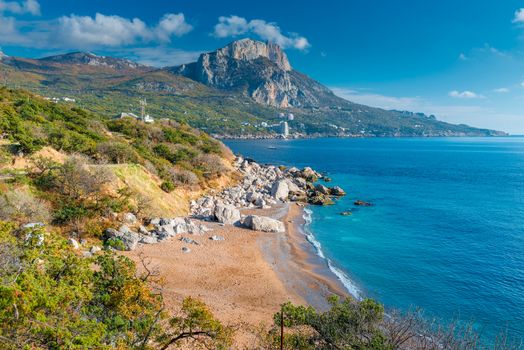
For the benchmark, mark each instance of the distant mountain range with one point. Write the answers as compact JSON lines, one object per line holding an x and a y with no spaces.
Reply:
{"x":241,"y":90}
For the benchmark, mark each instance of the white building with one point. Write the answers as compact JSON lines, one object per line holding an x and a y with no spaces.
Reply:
{"x":284,"y":129}
{"x":146,"y":119}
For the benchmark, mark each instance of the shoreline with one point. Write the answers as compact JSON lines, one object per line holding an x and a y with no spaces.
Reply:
{"x":316,"y":281}
{"x":245,"y":278}
{"x":224,"y":255}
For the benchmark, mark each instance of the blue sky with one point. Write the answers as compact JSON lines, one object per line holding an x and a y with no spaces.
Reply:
{"x":460,"y":60}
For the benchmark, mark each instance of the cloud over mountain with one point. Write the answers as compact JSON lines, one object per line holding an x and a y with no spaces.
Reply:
{"x":233,"y":26}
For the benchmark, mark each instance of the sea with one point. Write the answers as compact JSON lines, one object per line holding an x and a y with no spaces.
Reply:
{"x":445,"y":232}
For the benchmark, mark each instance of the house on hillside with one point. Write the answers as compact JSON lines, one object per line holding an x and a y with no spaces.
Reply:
{"x":146,"y":118}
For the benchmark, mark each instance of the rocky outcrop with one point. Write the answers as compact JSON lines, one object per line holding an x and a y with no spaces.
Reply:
{"x":160,"y":229}
{"x":259,"y":70}
{"x":263,"y":186}
{"x":264,"y":224}
{"x":128,"y":238}
{"x":87,"y":58}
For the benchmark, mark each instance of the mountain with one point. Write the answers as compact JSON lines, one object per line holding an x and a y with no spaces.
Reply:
{"x":86,"y":58}
{"x":261,"y":71}
{"x":78,"y":61}
{"x":241,"y":90}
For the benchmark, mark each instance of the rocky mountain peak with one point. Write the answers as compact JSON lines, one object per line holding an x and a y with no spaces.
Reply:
{"x":249,"y":50}
{"x":259,"y":70}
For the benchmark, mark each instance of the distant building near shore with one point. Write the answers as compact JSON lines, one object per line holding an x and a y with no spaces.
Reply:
{"x":284,"y":129}
{"x":58,"y":99}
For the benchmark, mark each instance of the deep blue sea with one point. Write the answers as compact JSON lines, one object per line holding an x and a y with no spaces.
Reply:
{"x":446,"y":232}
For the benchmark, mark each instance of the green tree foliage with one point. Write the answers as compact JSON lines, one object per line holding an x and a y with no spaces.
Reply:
{"x":53,"y":298}
{"x":348,"y":324}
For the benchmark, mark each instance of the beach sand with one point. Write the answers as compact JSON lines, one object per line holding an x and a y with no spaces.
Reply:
{"x":245,"y":278}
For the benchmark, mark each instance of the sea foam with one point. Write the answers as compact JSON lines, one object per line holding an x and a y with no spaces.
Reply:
{"x":342,"y":277}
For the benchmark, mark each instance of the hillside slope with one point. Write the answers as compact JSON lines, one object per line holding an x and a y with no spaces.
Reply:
{"x":165,"y":164}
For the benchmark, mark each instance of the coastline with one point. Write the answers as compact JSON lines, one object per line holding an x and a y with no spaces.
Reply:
{"x":245,"y":278}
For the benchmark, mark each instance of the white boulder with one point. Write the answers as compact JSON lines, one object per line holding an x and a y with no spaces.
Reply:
{"x":227,"y":214}
{"x":262,"y":223}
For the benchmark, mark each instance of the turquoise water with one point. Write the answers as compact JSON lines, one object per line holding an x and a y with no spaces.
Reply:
{"x":446,"y":232}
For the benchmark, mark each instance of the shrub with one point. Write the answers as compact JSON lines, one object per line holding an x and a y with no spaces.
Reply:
{"x":20,"y":206}
{"x":117,"y":152}
{"x":168,"y":186}
{"x":70,"y":212}
{"x":183,"y":177}
{"x":210,"y":164}
{"x":77,"y":180}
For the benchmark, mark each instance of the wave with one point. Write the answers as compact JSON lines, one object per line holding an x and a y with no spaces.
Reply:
{"x":342,"y":277}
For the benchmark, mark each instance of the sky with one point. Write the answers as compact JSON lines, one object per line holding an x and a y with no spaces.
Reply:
{"x":461,"y":60}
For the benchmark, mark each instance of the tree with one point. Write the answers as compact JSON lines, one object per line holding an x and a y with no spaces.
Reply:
{"x":348,"y":324}
{"x":195,"y":326}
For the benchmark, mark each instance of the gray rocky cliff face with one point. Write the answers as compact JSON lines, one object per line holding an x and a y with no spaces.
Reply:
{"x":260,"y":70}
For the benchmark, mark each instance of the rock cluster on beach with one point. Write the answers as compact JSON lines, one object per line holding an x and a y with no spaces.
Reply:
{"x":260,"y":187}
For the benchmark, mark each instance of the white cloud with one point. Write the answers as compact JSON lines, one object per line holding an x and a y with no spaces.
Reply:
{"x":9,"y":33}
{"x":464,"y":94}
{"x":501,"y":90}
{"x":463,"y":57}
{"x":85,"y":32}
{"x":234,"y":26}
{"x":519,"y":16}
{"x":172,"y":24}
{"x":377,"y":100}
{"x":230,"y":26}
{"x":20,"y":7}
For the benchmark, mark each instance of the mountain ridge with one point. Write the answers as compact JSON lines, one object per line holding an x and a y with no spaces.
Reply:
{"x":240,"y":90}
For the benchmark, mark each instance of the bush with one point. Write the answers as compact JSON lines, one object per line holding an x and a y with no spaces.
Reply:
{"x":53,"y":298}
{"x":20,"y":206}
{"x":117,"y":152}
{"x":70,"y":212}
{"x":76,"y":179}
{"x":183,"y":177}
{"x":168,"y":186}
{"x":210,"y":164}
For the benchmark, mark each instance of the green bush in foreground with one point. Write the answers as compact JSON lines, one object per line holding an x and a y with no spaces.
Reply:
{"x":363,"y":325}
{"x":53,"y":298}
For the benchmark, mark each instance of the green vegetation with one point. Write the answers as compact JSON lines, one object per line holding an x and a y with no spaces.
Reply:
{"x":165,"y":148}
{"x":363,"y":325}
{"x":52,"y":298}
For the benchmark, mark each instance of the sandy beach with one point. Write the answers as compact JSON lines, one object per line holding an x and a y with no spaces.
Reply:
{"x":246,"y":277}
